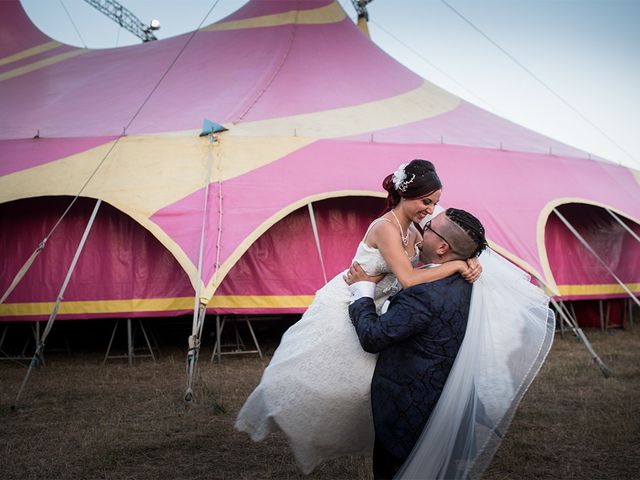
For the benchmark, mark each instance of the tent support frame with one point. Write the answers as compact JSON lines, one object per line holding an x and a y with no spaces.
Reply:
{"x":35,"y":332}
{"x":573,"y":324}
{"x":200,"y":304}
{"x":130,"y":355}
{"x":240,"y":348}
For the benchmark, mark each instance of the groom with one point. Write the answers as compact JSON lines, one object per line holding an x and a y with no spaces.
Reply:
{"x":417,"y":338}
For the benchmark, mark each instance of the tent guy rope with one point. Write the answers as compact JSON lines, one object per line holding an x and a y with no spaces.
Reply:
{"x":540,"y":81}
{"x":54,"y":312}
{"x":624,"y":225}
{"x":22,"y":272}
{"x":560,"y":308}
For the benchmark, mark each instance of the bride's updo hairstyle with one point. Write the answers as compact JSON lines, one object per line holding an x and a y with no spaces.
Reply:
{"x":415,"y":180}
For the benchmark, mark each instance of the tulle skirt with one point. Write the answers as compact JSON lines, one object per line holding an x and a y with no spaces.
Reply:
{"x":316,"y":388}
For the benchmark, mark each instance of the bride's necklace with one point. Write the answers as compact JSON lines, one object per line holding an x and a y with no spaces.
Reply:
{"x":405,"y":237}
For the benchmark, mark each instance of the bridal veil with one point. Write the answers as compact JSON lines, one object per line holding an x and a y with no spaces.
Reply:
{"x":509,"y":333}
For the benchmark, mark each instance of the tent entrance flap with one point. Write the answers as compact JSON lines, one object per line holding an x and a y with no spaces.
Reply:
{"x":596,"y":256}
{"x":623,"y":225}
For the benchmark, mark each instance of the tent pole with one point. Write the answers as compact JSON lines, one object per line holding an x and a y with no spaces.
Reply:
{"x":146,"y":338}
{"x":577,"y":330}
{"x":573,"y":313}
{"x":4,"y":334}
{"x":218,"y":339}
{"x":562,"y":321}
{"x":37,"y":338}
{"x":52,"y":317}
{"x":113,"y":334}
{"x":566,"y":317}
{"x":592,"y":251}
{"x":601,"y":314}
{"x":314,"y":227}
{"x":129,"y":343}
{"x":199,"y":307}
{"x":568,"y":314}
{"x":624,"y":225}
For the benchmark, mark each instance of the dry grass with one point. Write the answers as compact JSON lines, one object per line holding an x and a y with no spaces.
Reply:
{"x":78,"y":419}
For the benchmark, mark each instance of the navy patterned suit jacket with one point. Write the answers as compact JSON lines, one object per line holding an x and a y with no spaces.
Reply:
{"x":417,"y":340}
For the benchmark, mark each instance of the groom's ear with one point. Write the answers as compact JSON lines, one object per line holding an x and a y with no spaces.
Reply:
{"x":443,"y":249}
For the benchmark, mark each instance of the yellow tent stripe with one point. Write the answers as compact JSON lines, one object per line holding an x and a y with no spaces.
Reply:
{"x":261,"y":301}
{"x":229,"y":301}
{"x":97,"y":306}
{"x":597,"y":289}
{"x":29,"y":52}
{"x":154,"y":305}
{"x":16,"y":72}
{"x":331,"y":13}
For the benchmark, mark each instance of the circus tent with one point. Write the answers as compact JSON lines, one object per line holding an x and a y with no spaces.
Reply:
{"x":254,"y":218}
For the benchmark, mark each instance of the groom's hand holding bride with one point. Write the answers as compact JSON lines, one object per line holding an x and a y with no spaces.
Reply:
{"x":357,"y":274}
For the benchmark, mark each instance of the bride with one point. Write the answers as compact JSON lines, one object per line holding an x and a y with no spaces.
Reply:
{"x":316,"y":389}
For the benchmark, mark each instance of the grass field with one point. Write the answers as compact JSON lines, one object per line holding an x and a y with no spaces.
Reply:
{"x":78,"y":419}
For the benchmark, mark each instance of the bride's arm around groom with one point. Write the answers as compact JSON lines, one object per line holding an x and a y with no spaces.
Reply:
{"x":417,"y":339}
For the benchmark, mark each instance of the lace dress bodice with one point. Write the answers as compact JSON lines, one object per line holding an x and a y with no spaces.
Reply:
{"x":372,"y":261}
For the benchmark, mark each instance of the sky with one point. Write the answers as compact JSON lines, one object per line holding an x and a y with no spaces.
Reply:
{"x":569,"y":69}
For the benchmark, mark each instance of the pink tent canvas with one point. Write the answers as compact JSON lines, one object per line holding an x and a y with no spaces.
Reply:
{"x":315,"y":113}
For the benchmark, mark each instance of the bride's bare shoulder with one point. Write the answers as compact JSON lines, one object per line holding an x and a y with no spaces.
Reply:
{"x":381,"y":226}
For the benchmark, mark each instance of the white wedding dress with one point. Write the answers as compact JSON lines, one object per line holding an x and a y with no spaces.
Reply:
{"x":316,"y":388}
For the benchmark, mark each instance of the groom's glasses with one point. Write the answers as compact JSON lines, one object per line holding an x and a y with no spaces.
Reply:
{"x":428,"y":227}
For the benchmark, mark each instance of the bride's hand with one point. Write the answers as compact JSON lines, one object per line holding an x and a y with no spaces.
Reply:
{"x":472,"y":270}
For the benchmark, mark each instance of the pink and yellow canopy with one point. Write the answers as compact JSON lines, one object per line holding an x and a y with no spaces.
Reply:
{"x":314,"y":110}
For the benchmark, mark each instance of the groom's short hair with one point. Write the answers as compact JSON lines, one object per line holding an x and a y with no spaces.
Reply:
{"x":465,"y":232}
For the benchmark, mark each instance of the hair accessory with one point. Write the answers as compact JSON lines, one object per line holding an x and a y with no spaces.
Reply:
{"x":400,"y":181}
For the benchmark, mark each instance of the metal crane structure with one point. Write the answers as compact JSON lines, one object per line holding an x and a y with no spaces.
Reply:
{"x":126,"y":19}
